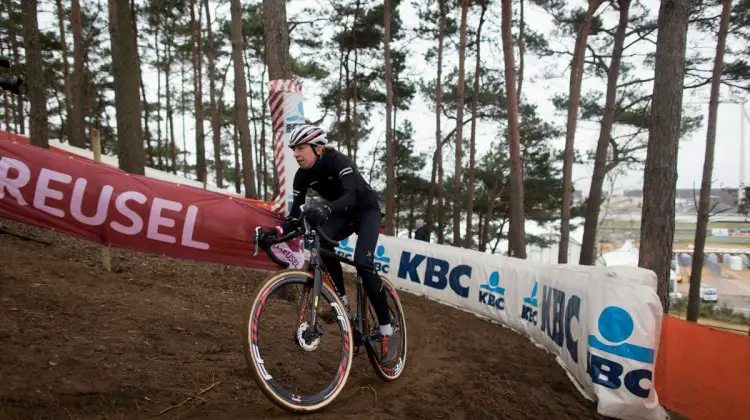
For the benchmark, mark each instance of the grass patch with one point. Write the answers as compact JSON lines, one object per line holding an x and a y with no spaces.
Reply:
{"x":716,"y":312}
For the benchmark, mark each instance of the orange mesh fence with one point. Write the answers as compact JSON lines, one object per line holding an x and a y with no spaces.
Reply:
{"x":703,"y":373}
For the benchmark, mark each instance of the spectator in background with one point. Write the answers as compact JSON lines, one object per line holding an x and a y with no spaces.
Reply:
{"x":422,"y":233}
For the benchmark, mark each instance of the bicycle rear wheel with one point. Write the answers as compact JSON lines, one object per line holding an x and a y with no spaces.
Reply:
{"x":392,"y":370}
{"x":281,"y":349}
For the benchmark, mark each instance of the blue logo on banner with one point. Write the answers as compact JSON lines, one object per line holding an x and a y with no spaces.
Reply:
{"x":491,"y":294}
{"x":344,"y":249}
{"x":438,"y":273}
{"x":558,"y":310}
{"x":300,"y":117}
{"x":294,"y":121}
{"x":529,"y":311}
{"x":616,"y":326}
{"x":382,"y":263}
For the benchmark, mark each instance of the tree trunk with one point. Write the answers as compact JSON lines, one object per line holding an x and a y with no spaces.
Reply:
{"x":256,"y":152}
{"x":499,"y":235}
{"x":215,"y":122}
{"x":390,"y":142}
{"x":77,"y":120}
{"x":693,"y":308}
{"x":19,"y":120}
{"x":346,"y":135}
{"x":459,"y":126}
{"x":263,"y":114}
{"x":183,"y":107}
{"x":159,"y":148}
{"x":439,"y":147}
{"x":38,"y":125}
{"x":397,"y":212}
{"x":236,"y":141}
{"x":576,"y":75}
{"x":521,"y":51}
{"x":200,"y":145}
{"x":127,"y":102}
{"x":254,"y":119}
{"x":475,"y":100}
{"x":240,"y":97}
{"x":250,"y":94}
{"x":660,"y":175}
{"x":518,"y":233}
{"x":431,"y":191}
{"x":605,"y":134}
{"x":277,"y":39}
{"x":170,"y":116}
{"x":11,"y":111}
{"x":480,"y":233}
{"x":340,"y":91}
{"x":66,"y":72}
{"x":145,"y":105}
{"x":146,"y":130}
{"x":490,"y":208}
{"x":172,"y":144}
{"x":353,"y":138}
{"x":411,"y":214}
{"x":7,"y":111}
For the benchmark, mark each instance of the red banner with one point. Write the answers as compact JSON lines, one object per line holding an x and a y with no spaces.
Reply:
{"x":103,"y":204}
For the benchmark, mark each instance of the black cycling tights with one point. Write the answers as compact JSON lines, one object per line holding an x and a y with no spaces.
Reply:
{"x":367,"y":227}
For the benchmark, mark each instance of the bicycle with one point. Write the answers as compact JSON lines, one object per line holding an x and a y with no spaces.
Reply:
{"x":313,"y":283}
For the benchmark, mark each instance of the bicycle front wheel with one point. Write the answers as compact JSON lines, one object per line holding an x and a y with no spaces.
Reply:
{"x":297,"y":364}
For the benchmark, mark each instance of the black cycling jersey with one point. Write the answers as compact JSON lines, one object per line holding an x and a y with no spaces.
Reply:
{"x":336,"y":179}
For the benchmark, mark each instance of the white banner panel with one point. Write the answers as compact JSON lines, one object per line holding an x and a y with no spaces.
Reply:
{"x":602,"y":323}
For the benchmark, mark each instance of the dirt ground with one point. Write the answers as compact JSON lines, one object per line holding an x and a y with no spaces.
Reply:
{"x":77,"y":342}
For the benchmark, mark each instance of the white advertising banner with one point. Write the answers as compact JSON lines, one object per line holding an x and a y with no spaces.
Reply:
{"x":602,"y":323}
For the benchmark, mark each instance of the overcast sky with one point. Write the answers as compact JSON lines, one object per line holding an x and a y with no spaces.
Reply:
{"x":538,"y":89}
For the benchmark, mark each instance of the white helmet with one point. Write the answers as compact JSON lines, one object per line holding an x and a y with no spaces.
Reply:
{"x":307,"y":134}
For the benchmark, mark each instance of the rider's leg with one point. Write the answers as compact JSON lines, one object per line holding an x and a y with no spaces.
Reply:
{"x":367,"y":241}
{"x":335,"y":227}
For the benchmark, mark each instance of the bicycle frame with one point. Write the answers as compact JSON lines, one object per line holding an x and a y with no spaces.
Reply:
{"x":316,"y":265}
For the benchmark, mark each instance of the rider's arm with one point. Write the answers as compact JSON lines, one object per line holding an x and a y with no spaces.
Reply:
{"x":299,"y":190}
{"x":343,"y":167}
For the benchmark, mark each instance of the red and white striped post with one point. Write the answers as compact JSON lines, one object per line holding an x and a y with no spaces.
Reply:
{"x":287,"y":112}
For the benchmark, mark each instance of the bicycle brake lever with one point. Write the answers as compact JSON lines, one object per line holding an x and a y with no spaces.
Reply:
{"x":255,"y":240}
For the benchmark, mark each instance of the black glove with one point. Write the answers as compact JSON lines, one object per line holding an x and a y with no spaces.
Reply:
{"x":317,"y":215}
{"x":289,"y":224}
{"x":267,"y":233}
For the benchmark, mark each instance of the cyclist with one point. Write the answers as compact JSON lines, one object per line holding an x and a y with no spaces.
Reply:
{"x":352,"y":206}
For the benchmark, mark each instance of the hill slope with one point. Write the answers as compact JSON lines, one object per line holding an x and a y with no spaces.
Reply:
{"x":78,"y":342}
